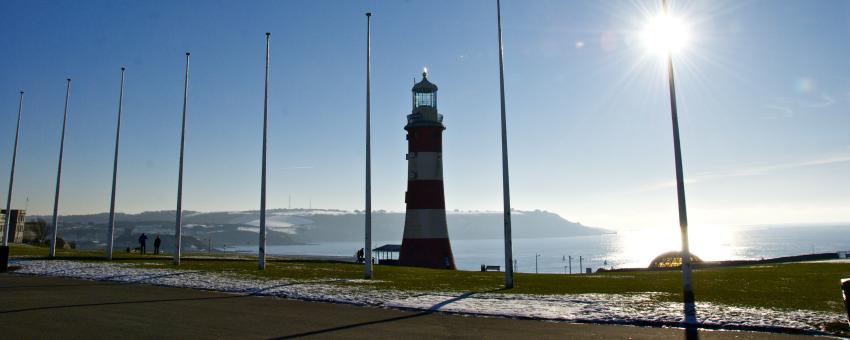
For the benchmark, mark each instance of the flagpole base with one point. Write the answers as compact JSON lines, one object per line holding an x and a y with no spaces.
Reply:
{"x":4,"y":259}
{"x":845,"y":289}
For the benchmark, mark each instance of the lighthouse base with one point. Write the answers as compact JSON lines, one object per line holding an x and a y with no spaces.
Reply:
{"x":427,"y":252}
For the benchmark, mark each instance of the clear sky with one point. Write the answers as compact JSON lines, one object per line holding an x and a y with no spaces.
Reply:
{"x":763,"y":86}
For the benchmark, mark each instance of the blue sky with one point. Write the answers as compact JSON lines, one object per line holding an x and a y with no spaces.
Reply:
{"x":763,"y":90}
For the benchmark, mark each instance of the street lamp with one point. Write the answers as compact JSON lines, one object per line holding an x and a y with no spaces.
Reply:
{"x":535,"y":264}
{"x":667,"y":34}
{"x":580,"y":264}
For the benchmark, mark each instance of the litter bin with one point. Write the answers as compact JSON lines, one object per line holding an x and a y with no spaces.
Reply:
{"x":845,"y":288}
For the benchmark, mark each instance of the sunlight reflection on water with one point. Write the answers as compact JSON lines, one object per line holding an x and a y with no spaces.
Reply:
{"x":628,"y":248}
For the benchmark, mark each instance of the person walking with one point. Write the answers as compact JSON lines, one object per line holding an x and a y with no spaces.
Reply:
{"x":360,"y":256}
{"x":156,"y":243}
{"x":142,"y":240}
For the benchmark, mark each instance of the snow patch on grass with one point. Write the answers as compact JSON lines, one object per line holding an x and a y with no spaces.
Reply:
{"x":605,"y":308}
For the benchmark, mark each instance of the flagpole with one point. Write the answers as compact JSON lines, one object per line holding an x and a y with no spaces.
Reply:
{"x":55,"y":232}
{"x":178,"y":227}
{"x":262,"y":246}
{"x":368,"y":248}
{"x":687,"y":283}
{"x":509,"y":269}
{"x":110,"y":242}
{"x":12,"y":174}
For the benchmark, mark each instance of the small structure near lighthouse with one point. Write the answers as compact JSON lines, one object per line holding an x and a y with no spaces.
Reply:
{"x":426,"y":238}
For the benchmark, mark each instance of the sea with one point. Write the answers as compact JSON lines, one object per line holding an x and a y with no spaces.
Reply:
{"x":632,"y":248}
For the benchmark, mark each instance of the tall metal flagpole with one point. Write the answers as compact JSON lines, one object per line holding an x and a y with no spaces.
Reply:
{"x":368,"y":248}
{"x":509,"y":269}
{"x":12,"y":176}
{"x":111,"y":231}
{"x":55,"y":225}
{"x":262,"y":253}
{"x":178,"y":225}
{"x":688,"y":291}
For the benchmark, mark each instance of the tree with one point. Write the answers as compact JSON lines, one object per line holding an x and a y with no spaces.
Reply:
{"x":38,"y":230}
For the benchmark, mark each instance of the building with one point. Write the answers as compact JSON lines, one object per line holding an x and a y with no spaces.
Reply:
{"x":426,"y":238}
{"x":16,"y":226}
{"x":385,"y":254}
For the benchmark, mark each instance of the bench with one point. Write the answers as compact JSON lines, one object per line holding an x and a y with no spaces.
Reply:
{"x":487,"y":268}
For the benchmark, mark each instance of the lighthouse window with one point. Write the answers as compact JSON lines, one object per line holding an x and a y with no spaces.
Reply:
{"x":425,"y":99}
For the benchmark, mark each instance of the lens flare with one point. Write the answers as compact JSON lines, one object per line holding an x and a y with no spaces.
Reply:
{"x":665,"y":34}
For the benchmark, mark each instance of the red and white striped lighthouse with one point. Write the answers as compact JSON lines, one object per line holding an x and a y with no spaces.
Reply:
{"x":426,"y":237}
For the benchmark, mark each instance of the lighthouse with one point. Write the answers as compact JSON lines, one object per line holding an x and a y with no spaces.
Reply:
{"x":426,"y":238}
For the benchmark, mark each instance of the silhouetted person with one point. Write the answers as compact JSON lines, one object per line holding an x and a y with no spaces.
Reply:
{"x":142,"y":240}
{"x":156,"y":243}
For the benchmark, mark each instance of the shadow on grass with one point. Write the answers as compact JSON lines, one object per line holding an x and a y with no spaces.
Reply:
{"x":153,"y":277}
{"x":431,"y":310}
{"x":259,"y":292}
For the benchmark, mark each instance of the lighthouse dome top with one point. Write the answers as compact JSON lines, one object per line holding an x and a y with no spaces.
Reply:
{"x":424,"y":86}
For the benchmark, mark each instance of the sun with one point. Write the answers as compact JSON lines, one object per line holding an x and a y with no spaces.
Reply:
{"x":665,"y":34}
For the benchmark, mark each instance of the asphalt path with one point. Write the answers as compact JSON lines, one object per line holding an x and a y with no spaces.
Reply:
{"x":50,"y":307}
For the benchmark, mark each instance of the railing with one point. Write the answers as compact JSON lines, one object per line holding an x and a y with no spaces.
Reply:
{"x":414,"y":117}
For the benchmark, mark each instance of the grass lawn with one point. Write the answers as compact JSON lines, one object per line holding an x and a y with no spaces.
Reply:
{"x":805,"y":285}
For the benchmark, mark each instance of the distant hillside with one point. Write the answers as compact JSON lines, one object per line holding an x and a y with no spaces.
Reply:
{"x":488,"y":225}
{"x":292,"y":226}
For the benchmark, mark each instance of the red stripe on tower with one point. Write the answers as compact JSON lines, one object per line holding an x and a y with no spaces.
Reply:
{"x":426,"y":236}
{"x":426,"y":139}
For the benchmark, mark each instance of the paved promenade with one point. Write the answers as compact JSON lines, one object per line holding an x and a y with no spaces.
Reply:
{"x":49,"y":307}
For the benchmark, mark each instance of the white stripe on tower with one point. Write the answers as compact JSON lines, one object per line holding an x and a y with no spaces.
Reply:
{"x":425,"y":166}
{"x":425,"y":223}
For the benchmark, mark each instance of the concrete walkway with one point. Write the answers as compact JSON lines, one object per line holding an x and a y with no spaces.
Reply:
{"x":49,"y":307}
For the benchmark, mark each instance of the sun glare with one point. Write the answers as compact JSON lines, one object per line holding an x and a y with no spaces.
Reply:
{"x":665,"y":34}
